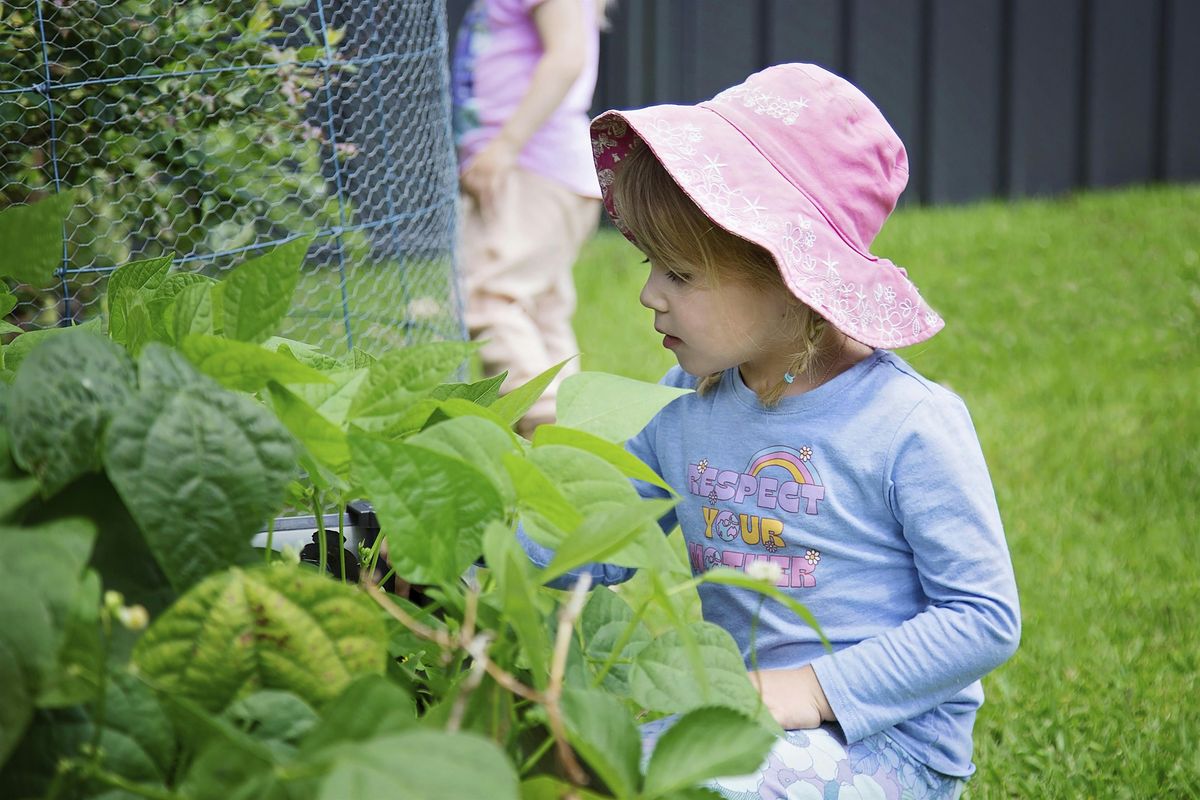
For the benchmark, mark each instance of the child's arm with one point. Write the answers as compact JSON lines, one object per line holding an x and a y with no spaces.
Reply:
{"x":560,"y":26}
{"x":939,"y":490}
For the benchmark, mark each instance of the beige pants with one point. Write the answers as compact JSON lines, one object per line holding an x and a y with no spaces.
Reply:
{"x":517,"y":275}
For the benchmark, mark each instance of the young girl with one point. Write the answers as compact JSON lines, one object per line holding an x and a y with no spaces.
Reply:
{"x":806,"y":445}
{"x":524,"y":73}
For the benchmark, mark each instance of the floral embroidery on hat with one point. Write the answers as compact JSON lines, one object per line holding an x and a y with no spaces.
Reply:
{"x":760,"y":102}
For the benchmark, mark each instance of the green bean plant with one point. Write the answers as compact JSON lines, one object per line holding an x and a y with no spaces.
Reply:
{"x":148,"y":650}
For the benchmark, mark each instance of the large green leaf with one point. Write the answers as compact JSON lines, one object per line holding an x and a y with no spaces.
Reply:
{"x":21,"y":346}
{"x":325,"y":441}
{"x":138,"y":737}
{"x":602,"y":731}
{"x":596,"y":489}
{"x":162,"y":303}
{"x":332,"y":400}
{"x":200,"y":468}
{"x":664,"y":675}
{"x":512,"y":406}
{"x":305,"y":353}
{"x":684,"y":755}
{"x":33,"y":239}
{"x":61,"y":400}
{"x":369,"y":707}
{"x":536,"y":493}
{"x":401,"y":378}
{"x":258,"y":293}
{"x":483,"y":392}
{"x":612,"y":639}
{"x":76,"y":677}
{"x":130,"y":289}
{"x":611,"y":406}
{"x":273,"y":716}
{"x":420,"y":765}
{"x":433,"y":508}
{"x":278,"y":627}
{"x":630,"y":465}
{"x":16,"y":492}
{"x":194,"y":310}
{"x":243,"y":366}
{"x":608,"y":535}
{"x":478,"y":442}
{"x":40,"y":575}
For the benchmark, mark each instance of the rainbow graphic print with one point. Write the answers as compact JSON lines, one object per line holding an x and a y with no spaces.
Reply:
{"x":743,"y":510}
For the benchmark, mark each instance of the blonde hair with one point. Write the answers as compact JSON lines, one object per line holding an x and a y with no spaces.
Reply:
{"x":672,"y":230}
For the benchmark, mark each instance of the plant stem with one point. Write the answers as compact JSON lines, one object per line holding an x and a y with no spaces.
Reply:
{"x":102,"y":697}
{"x":320,"y":518}
{"x":558,"y":668}
{"x":444,"y":640}
{"x":536,"y":755}
{"x":126,"y":785}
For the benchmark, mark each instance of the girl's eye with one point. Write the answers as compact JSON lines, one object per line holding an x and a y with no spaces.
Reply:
{"x":672,"y":275}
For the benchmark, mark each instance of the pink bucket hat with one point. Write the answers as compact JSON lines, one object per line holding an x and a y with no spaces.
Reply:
{"x":800,"y":162}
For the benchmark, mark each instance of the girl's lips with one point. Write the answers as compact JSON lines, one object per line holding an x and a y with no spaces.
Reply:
{"x":671,"y":342}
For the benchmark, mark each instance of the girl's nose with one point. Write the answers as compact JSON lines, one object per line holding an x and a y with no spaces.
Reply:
{"x":651,"y":297}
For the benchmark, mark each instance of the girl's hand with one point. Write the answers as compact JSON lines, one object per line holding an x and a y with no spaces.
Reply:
{"x":485,"y":175}
{"x":794,"y":697}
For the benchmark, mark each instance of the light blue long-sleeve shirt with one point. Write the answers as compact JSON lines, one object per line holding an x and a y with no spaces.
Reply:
{"x":871,"y":495}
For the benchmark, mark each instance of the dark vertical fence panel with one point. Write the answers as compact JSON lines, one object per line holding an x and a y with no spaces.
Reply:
{"x":885,"y":46}
{"x":669,"y":50}
{"x":723,"y":45}
{"x":1026,"y":97}
{"x":1181,"y":118}
{"x":964,"y":99}
{"x":1045,"y":68}
{"x":809,"y":31}
{"x":1121,"y":102}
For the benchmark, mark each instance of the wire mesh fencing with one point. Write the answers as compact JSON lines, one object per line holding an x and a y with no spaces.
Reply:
{"x":215,"y":131}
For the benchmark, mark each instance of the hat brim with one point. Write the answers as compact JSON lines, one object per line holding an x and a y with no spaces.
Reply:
{"x":869,"y":299}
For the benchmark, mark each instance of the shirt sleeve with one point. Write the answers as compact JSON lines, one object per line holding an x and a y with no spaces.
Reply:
{"x":937,"y":486}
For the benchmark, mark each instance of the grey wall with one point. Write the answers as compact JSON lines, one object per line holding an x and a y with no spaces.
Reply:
{"x":993,"y":98}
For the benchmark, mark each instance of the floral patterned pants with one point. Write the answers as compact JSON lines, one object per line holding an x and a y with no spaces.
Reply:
{"x":819,"y":765}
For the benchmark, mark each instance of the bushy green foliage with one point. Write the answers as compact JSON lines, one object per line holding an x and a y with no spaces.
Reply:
{"x":139,"y":457}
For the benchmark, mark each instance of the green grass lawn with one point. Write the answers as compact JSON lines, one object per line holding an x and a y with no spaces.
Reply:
{"x":1073,"y":334}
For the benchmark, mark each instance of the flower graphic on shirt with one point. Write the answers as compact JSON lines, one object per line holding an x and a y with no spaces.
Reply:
{"x":805,"y":453}
{"x":712,"y":497}
{"x":813,"y":557}
{"x":770,"y":545}
{"x":703,"y":465}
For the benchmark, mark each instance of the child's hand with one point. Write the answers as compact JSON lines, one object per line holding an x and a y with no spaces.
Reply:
{"x":485,"y":175}
{"x":794,"y":697}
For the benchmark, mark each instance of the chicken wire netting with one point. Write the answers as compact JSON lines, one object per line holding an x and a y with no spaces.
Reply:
{"x":215,"y":131}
